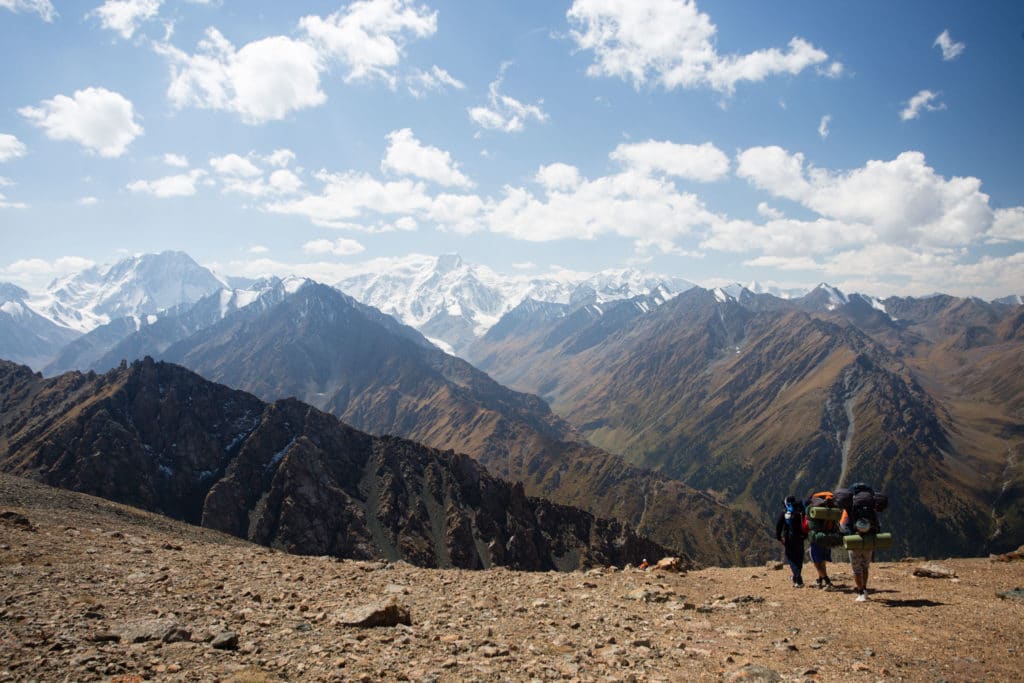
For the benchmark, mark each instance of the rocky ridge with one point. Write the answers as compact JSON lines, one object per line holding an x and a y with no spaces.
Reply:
{"x":91,"y":590}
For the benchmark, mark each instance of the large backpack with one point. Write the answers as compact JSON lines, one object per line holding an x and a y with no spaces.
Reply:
{"x":860,"y":502}
{"x":823,"y":520}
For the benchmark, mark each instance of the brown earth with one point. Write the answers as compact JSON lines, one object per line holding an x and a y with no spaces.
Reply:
{"x":81,"y":578}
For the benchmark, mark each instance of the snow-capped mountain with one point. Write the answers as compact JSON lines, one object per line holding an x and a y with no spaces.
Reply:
{"x":139,"y":286}
{"x":131,"y":337}
{"x":453,"y":303}
{"x":25,"y":336}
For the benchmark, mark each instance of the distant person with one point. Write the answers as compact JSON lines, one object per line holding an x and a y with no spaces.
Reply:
{"x":790,"y":531}
{"x":820,"y":553}
{"x":861,"y":506}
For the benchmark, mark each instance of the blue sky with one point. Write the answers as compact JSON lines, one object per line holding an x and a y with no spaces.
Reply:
{"x":875,"y":146}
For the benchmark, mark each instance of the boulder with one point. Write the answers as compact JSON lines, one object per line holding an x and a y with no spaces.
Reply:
{"x":934,"y":571}
{"x":669,"y":564}
{"x":387,"y":613}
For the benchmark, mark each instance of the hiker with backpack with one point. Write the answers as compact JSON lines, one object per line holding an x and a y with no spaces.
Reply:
{"x":823,"y":532}
{"x":859,"y":522}
{"x":791,"y":530}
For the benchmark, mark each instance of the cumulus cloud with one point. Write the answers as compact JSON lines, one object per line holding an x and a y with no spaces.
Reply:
{"x":672,"y":44}
{"x":352,"y":195}
{"x":406,"y":155}
{"x":44,"y":8}
{"x":950,"y":48}
{"x":823,"y":126}
{"x":125,"y":16}
{"x":436,"y":80}
{"x":176,"y":160}
{"x":263,"y":81}
{"x":280,"y":158}
{"x":35,"y":274}
{"x":923,"y":100}
{"x":88,"y":201}
{"x":339,"y":247}
{"x":558,"y":176}
{"x":8,"y":204}
{"x":101,"y":120}
{"x":368,"y":36}
{"x":181,"y":185}
{"x":703,"y":163}
{"x":11,"y":147}
{"x":235,"y":165}
{"x":1008,"y":225}
{"x":903,"y":201}
{"x":505,"y":113}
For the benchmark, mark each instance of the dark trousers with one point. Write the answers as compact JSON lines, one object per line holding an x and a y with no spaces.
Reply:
{"x":795,"y":559}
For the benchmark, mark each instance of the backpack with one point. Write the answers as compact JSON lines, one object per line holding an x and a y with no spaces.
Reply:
{"x":860,"y":502}
{"x":822,"y":499}
{"x":796,"y":520}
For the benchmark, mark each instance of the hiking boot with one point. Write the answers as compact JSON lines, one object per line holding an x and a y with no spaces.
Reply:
{"x":826,"y":584}
{"x":819,"y":583}
{"x":863,"y":597}
{"x":798,"y":584}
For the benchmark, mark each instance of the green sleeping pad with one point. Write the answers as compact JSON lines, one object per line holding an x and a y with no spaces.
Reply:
{"x":825,"y":514}
{"x":868,"y":542}
{"x":826,"y":539}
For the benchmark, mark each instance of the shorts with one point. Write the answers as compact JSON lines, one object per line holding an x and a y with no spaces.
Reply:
{"x":820,"y":553}
{"x":860,"y":560}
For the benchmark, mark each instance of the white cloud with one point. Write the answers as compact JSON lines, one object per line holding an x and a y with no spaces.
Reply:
{"x":406,"y":155}
{"x":368,"y":36}
{"x":922,"y":100}
{"x":950,"y":48}
{"x":7,"y":204}
{"x":124,"y":16}
{"x":281,"y":182}
{"x":263,"y":81}
{"x":525,"y":265}
{"x":704,"y":162}
{"x":768,"y":211}
{"x":88,"y":201}
{"x":99,"y":119}
{"x":833,"y":70}
{"x":11,"y":147}
{"x":235,"y":165}
{"x":902,"y":203}
{"x":352,"y":195}
{"x":672,"y":44}
{"x":44,"y":8}
{"x":435,"y":80}
{"x":1008,"y":225}
{"x":338,"y":247}
{"x":176,"y":160}
{"x":181,"y":185}
{"x":259,"y":249}
{"x":823,"y":126}
{"x":558,"y":176}
{"x":505,"y":113}
{"x":280,"y":158}
{"x":35,"y":274}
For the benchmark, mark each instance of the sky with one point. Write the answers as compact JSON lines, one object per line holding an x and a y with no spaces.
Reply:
{"x":875,"y":146}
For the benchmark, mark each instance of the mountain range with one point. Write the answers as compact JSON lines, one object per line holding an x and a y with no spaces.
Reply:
{"x":683,"y":411}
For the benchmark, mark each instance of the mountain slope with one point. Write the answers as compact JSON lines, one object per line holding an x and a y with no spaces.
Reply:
{"x":763,"y":397}
{"x":332,"y":352}
{"x":159,"y":437}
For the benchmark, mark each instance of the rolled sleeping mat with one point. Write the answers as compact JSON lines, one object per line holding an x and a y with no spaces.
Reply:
{"x":867,"y":542}
{"x":825,"y":514}
{"x":827,"y":539}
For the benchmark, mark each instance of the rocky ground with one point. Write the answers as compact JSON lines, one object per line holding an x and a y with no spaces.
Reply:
{"x":90,"y":590}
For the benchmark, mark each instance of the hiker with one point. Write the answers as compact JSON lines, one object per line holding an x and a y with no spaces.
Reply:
{"x":790,"y":531}
{"x":819,"y":551}
{"x":861,"y":506}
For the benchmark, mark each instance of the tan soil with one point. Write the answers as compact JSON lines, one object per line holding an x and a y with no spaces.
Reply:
{"x":87,"y":569}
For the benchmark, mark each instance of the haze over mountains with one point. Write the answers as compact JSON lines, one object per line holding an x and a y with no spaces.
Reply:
{"x":703,"y":405}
